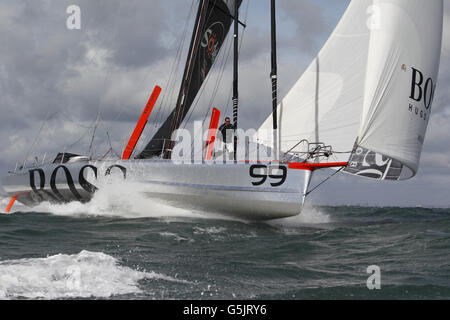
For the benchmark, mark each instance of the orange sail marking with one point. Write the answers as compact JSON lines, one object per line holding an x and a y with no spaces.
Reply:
{"x":13,"y":200}
{"x":141,"y":124}
{"x":214,"y":123}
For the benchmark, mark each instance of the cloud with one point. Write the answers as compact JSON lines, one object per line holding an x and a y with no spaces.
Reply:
{"x":308,"y":22}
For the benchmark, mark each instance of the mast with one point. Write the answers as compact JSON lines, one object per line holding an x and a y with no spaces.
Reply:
{"x":274,"y":77}
{"x":214,"y":20}
{"x":201,"y":16}
{"x":236,"y":75}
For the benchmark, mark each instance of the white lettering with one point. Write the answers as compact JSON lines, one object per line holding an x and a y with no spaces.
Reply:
{"x":374,"y":281}
{"x":74,"y":20}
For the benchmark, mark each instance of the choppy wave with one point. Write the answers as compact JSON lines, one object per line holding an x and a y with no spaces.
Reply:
{"x":84,"y":275}
{"x":324,"y":253}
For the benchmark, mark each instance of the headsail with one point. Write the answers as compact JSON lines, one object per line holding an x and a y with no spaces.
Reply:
{"x":403,"y":64}
{"x":326,"y":102}
{"x":211,"y":28}
{"x":373,"y":82}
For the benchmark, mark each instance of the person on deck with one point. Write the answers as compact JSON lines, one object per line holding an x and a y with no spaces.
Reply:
{"x":226,"y":129}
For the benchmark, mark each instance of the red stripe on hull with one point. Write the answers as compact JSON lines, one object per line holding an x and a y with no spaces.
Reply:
{"x":316,"y":166}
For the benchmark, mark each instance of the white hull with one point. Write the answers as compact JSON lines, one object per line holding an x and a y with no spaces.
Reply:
{"x":253,"y":191}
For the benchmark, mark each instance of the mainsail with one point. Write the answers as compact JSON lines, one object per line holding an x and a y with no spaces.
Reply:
{"x":373,"y":82}
{"x":213,"y":22}
{"x":325,"y":103}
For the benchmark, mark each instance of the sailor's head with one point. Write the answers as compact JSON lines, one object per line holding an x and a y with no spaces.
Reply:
{"x":227,"y":120}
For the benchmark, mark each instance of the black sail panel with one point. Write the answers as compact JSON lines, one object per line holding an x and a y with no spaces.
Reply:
{"x":214,"y":24}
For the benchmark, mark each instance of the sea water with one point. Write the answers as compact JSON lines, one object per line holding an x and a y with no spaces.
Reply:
{"x":127,"y":247}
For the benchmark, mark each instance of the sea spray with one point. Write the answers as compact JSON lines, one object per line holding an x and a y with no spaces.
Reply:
{"x":124,"y":200}
{"x":308,"y":215}
{"x":83,"y":275}
{"x":116,"y":200}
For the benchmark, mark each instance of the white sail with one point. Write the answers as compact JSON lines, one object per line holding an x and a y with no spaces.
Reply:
{"x":326,"y":102}
{"x":402,"y":70}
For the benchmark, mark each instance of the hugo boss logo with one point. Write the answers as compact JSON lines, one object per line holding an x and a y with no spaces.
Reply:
{"x":421,"y":89}
{"x":55,"y":194}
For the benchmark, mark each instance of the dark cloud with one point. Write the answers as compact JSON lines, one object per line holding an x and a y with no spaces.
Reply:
{"x":308,"y":21}
{"x":130,"y":30}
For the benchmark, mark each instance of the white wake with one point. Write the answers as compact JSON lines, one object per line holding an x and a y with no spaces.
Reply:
{"x":114,"y":200}
{"x":309,"y":216}
{"x":84,"y":275}
{"x":125,"y":200}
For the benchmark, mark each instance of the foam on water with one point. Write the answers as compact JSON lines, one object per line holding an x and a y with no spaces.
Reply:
{"x":174,"y":236}
{"x":3,"y":202}
{"x":117,"y":200}
{"x":83,"y":275}
{"x":310,"y":215}
{"x":125,"y":200}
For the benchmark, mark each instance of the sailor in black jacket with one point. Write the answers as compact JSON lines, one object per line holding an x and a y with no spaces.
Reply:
{"x":227,"y":130}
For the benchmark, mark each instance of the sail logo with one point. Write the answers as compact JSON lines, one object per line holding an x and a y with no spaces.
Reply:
{"x":55,"y":194}
{"x":211,"y":43}
{"x":422,"y":91}
{"x":366,"y":163}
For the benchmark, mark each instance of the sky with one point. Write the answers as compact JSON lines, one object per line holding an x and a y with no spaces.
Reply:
{"x":55,"y":82}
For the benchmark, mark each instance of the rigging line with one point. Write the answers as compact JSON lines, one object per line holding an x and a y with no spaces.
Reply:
{"x":218,"y":80}
{"x":229,"y":45}
{"x":90,"y":60}
{"x":104,"y":156}
{"x":240,"y":47}
{"x":67,"y":117}
{"x":37,"y":136}
{"x":88,"y":128}
{"x":114,"y":38}
{"x":77,"y":141}
{"x":220,"y":76}
{"x":312,"y":190}
{"x":112,"y":149}
{"x":174,"y":71}
{"x":93,"y":135}
{"x":177,"y":121}
{"x":167,"y":98}
{"x":204,"y":85}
